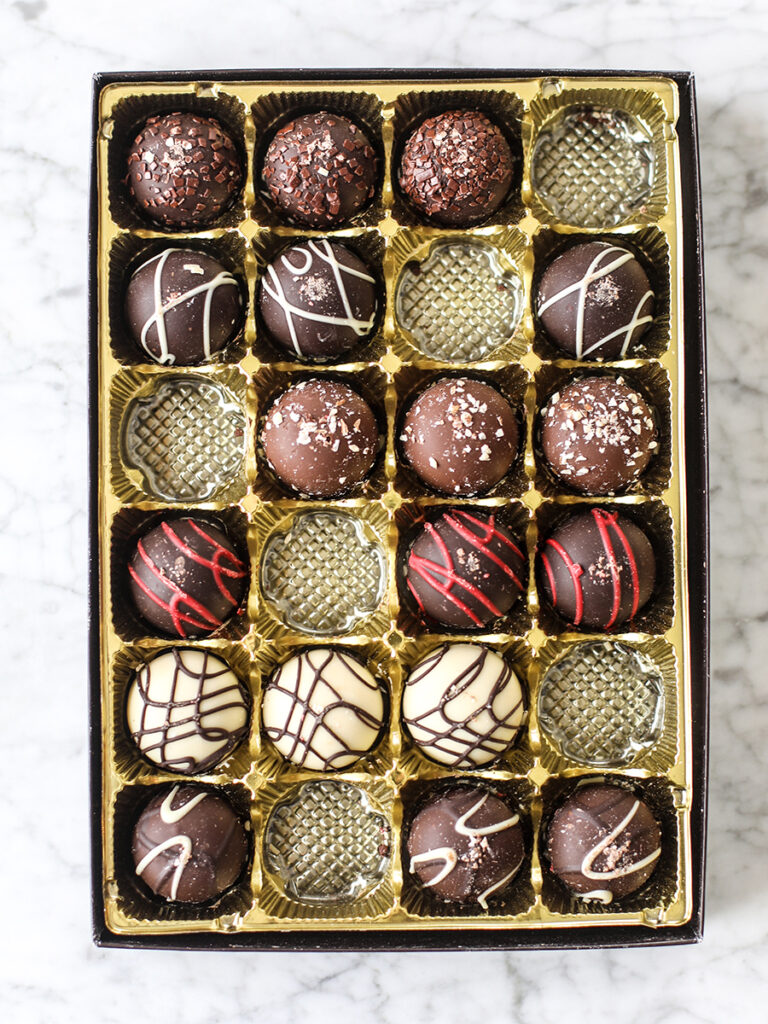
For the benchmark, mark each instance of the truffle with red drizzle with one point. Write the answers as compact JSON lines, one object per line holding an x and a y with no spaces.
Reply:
{"x":597,"y":569}
{"x":464,"y":569}
{"x":186,"y":578}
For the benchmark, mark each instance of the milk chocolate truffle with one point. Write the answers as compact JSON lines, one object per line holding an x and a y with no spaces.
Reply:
{"x":464,"y":569}
{"x":598,"y":569}
{"x":183,"y":170}
{"x":182,"y":307}
{"x":597,"y":434}
{"x":320,"y":169}
{"x":595,"y":301}
{"x":320,"y":437}
{"x":318,"y":299}
{"x":186,"y":578}
{"x":186,"y":710}
{"x":466,"y":845}
{"x":189,"y":845}
{"x":463,"y":705}
{"x":460,"y":436}
{"x":456,"y":168}
{"x":603,"y":842}
{"x":323,"y":709}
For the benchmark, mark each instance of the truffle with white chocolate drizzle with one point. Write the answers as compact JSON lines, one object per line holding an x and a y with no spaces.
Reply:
{"x":189,"y":845}
{"x":603,"y":843}
{"x":466,"y":845}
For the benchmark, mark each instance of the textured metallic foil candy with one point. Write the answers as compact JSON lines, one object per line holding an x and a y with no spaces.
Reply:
{"x":329,"y":843}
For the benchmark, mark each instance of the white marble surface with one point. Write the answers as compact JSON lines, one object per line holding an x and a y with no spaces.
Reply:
{"x":49,"y":971}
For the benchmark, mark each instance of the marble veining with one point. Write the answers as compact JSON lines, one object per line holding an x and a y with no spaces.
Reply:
{"x":49,"y":971}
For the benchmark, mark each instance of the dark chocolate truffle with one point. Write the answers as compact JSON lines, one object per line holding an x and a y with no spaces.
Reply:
{"x":320,"y":169}
{"x":456,"y":168}
{"x":463,"y":705}
{"x":186,"y":578}
{"x":603,"y":842}
{"x":595,"y":301}
{"x":189,"y":845}
{"x":186,"y":710}
{"x":182,"y":307}
{"x":597,"y":434}
{"x":460,"y":435}
{"x":598,"y":569}
{"x":464,"y":569}
{"x":183,"y":170}
{"x":320,"y":437}
{"x":466,"y":845}
{"x":318,"y":299}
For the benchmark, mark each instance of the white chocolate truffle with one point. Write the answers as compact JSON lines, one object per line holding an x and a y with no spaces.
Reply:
{"x":322,"y":709}
{"x":463,"y":705}
{"x":186,"y":710}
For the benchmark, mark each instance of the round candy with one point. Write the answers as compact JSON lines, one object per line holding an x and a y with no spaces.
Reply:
{"x":460,"y":436}
{"x":603,"y":842}
{"x":320,"y":169}
{"x":186,"y":578}
{"x":186,"y":710}
{"x":323,"y":709}
{"x":189,"y":845}
{"x":466,"y":845}
{"x":464,"y":569}
{"x":182,"y":307}
{"x":463,"y":705}
{"x":595,"y":301}
{"x":320,"y":437}
{"x":598,"y":569}
{"x":183,"y":170}
{"x":598,"y":434}
{"x":456,"y":168}
{"x":318,"y":299}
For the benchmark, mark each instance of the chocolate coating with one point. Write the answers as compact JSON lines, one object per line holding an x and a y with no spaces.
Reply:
{"x":464,"y":569}
{"x":320,"y":169}
{"x":598,"y":569}
{"x":318,"y":299}
{"x":456,"y":168}
{"x":186,"y":578}
{"x":460,"y":436}
{"x":186,"y":710}
{"x":603,"y":842}
{"x":320,"y":437}
{"x":189,"y":845}
{"x":597,"y":434}
{"x":595,"y":301}
{"x":182,"y":307}
{"x":183,"y":170}
{"x":466,"y":845}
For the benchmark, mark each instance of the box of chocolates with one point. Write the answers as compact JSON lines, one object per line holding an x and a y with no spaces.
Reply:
{"x":399,"y":523}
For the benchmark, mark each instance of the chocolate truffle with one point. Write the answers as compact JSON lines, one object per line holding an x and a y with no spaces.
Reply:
{"x":464,"y":569}
{"x":320,"y":437}
{"x":456,"y":168}
{"x":597,"y":434}
{"x":460,"y":436}
{"x":595,"y":301}
{"x":186,"y":578}
{"x":323,"y":709}
{"x":318,"y":299}
{"x":603,"y":842}
{"x":182,"y":307}
{"x":189,"y":845}
{"x":186,"y":710}
{"x":463,"y":705}
{"x":466,"y":845}
{"x":183,"y":170}
{"x":320,"y":169}
{"x":598,"y":569}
